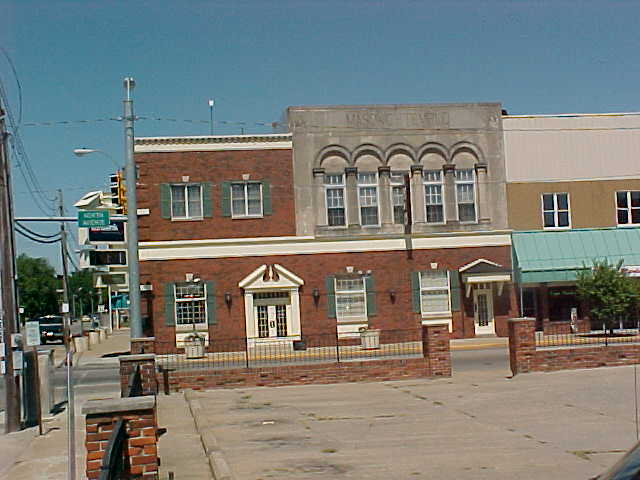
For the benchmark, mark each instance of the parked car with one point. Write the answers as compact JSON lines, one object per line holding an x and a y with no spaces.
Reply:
{"x":627,"y":468}
{"x":51,"y":328}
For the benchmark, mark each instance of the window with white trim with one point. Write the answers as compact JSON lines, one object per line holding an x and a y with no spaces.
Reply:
{"x":434,"y":292}
{"x":186,"y":201}
{"x":555,"y":210}
{"x":368,"y":198}
{"x":191,"y":303}
{"x":334,"y":190}
{"x":246,"y":199}
{"x":433,"y":198}
{"x":351,"y":301}
{"x":398,"y":197}
{"x":466,"y":194}
{"x":628,"y":207}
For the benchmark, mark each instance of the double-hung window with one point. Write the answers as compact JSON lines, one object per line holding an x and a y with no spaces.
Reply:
{"x":398,"y":197}
{"x":368,"y":198}
{"x":246,"y":199}
{"x":335,"y":190}
{"x":555,"y":210}
{"x":351,"y":301}
{"x":186,"y":202}
{"x":466,"y":195}
{"x":191,"y":303}
{"x":434,"y":292}
{"x":433,"y":198}
{"x":628,"y":207}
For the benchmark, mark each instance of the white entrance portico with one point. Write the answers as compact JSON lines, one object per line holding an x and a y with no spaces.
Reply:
{"x":484,"y":278}
{"x":271,"y":305}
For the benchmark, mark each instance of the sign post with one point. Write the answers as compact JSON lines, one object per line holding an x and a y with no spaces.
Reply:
{"x":32,"y":330}
{"x":93,"y":218}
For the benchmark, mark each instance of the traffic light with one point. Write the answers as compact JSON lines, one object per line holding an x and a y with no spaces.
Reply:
{"x":119,"y":192}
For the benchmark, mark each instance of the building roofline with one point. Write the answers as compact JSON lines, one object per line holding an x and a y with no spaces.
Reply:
{"x":212,"y":142}
{"x":573,"y":115}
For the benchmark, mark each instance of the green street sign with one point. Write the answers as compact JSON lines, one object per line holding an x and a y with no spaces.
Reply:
{"x":93,"y":218}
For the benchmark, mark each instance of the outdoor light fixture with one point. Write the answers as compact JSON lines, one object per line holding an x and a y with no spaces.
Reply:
{"x":392,"y":296}
{"x":227,"y":299}
{"x":316,"y":296}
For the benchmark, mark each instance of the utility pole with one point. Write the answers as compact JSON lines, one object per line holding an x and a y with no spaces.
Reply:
{"x":8,"y":304}
{"x":71,"y":408}
{"x":211,"y":103}
{"x":135,"y":319}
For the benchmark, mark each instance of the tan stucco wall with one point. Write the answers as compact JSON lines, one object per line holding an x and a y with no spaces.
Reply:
{"x":592,"y":203}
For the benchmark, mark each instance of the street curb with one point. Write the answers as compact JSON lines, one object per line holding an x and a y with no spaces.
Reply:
{"x":217,"y":464}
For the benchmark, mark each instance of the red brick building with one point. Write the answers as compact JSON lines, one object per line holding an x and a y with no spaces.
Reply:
{"x":331,"y":229}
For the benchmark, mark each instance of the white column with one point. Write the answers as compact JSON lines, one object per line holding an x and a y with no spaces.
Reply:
{"x":384,"y":196}
{"x":482,"y":185}
{"x":295,"y":312}
{"x":250,"y":323}
{"x":353,"y":214}
{"x":319,"y":197}
{"x":450,"y":204}
{"x":417,"y":195}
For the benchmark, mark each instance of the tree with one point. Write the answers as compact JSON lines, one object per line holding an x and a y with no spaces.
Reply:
{"x":36,"y":286}
{"x":608,"y":291}
{"x":81,"y":290}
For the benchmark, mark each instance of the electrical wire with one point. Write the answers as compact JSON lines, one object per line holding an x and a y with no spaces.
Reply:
{"x":40,"y":235}
{"x":34,"y":239}
{"x":15,"y":75}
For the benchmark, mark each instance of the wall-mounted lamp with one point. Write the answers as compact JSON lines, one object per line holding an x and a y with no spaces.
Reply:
{"x":227,"y":299}
{"x":316,"y":296}
{"x":392,"y":296}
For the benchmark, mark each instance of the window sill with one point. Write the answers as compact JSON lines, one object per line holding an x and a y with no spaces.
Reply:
{"x":434,"y":316}
{"x":246,"y":217}
{"x":191,"y":327}
{"x":628,"y":225}
{"x":556,"y":228}
{"x":193,"y":219}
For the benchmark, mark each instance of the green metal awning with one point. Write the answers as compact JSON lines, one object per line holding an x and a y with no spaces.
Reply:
{"x":545,"y":256}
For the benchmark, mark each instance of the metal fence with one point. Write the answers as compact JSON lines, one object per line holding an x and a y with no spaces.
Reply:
{"x":255,"y":353}
{"x":594,"y":338}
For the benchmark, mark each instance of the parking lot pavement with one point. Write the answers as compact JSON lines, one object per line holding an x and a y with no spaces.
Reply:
{"x":480,"y":425}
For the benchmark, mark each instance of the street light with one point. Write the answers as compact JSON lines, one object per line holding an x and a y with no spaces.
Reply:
{"x":128,"y":118}
{"x":81,"y":152}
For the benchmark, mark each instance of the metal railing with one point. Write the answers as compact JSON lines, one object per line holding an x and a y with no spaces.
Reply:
{"x":595,"y":338}
{"x":231,"y":353}
{"x":113,"y":465}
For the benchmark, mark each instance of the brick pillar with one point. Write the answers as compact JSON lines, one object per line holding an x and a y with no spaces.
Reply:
{"x":143,"y":345}
{"x":140,"y":449}
{"x":522,"y":344}
{"x":435,"y":348}
{"x":147,"y":362}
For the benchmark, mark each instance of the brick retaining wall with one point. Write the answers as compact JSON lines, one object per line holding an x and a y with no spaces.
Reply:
{"x":436,"y":361}
{"x":140,"y":450}
{"x":525,"y":357}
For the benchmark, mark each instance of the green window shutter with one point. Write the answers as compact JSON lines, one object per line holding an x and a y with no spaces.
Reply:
{"x":225,"y":187}
{"x":211,"y":303}
{"x":454,"y":285}
{"x":266,"y":198}
{"x":329,"y":284}
{"x":169,"y":305}
{"x":165,"y":200}
{"x":371,"y":296}
{"x":207,"y":209}
{"x":415,"y":292}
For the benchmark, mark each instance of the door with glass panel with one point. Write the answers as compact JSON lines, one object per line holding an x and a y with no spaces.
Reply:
{"x":483,"y":309}
{"x":271,"y":311}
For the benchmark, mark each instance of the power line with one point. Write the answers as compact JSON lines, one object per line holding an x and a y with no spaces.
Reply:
{"x":34,"y":239}
{"x":28,"y":230}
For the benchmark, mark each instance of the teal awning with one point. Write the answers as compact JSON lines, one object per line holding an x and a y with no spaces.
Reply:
{"x":545,"y":256}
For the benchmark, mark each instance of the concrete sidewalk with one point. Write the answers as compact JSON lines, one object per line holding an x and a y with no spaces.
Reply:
{"x":562,"y":425}
{"x":479,"y":343}
{"x":26,"y":455}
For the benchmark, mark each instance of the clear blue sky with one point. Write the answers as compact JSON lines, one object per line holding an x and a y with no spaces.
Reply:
{"x":257,"y":57}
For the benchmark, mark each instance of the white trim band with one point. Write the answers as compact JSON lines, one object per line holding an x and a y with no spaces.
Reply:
{"x":255,"y":247}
